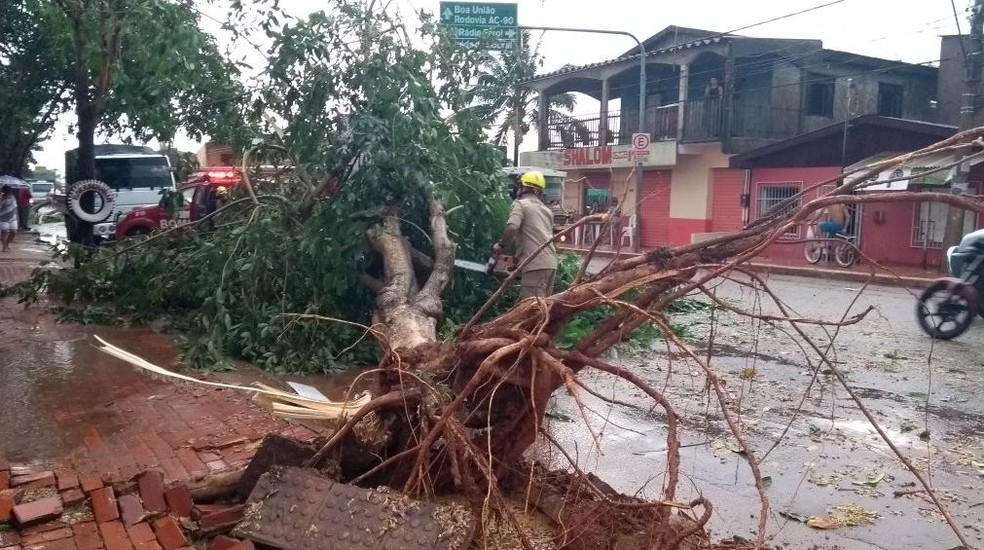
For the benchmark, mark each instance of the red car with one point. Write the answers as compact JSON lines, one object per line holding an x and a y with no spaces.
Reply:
{"x":198,"y":199}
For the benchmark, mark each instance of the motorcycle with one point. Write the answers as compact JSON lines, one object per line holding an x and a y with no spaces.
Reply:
{"x":946,"y":308}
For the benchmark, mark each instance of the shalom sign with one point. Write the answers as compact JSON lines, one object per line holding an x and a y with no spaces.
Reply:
{"x":603,"y":156}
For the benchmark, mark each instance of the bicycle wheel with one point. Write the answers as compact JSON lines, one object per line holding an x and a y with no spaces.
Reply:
{"x":813,"y":251}
{"x":845,"y":254}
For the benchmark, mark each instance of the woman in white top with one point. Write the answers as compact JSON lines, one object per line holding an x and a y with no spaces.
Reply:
{"x":8,"y":216}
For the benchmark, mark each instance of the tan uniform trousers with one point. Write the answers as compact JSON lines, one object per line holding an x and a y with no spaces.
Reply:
{"x":537,"y":282}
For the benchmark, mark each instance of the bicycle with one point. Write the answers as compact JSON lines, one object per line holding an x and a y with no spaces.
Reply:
{"x":840,"y":247}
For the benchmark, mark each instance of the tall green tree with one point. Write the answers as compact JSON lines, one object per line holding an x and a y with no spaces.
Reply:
{"x":33,"y":78}
{"x":503,"y":101}
{"x":145,"y":67}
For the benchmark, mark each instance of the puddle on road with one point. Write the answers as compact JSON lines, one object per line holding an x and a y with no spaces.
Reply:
{"x":55,"y":386}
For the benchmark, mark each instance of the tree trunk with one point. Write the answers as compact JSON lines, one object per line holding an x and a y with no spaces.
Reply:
{"x":87,"y":119}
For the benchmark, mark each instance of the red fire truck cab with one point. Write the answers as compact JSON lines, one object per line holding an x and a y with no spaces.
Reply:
{"x":198,"y":199}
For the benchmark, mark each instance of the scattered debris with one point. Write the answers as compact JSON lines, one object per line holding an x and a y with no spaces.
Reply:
{"x":290,"y":405}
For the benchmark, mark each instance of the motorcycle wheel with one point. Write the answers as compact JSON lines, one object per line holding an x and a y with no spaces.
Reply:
{"x":845,"y":254}
{"x":943,"y":314}
{"x":813,"y":251}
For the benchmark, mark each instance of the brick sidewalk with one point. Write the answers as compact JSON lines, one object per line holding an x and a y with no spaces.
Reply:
{"x":185,"y":433}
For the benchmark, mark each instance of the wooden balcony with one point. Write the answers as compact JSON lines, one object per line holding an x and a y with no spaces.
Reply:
{"x":704,"y":119}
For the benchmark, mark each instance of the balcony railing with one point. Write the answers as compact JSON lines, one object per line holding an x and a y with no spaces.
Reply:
{"x":703,"y":120}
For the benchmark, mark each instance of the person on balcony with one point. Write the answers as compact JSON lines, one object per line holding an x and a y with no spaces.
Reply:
{"x":712,"y":108}
{"x":713,"y":88}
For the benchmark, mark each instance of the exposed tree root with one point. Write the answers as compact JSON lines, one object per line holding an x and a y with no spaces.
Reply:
{"x":461,"y":415}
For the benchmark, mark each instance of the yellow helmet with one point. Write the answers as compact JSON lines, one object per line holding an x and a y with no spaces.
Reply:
{"x":535,"y":179}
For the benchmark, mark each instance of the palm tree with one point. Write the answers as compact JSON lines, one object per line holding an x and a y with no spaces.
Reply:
{"x":509,"y":106}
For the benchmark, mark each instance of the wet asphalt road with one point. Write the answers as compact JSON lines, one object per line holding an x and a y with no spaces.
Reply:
{"x":826,"y":452}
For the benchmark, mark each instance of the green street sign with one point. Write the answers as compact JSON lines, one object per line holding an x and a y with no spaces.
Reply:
{"x":469,"y":22}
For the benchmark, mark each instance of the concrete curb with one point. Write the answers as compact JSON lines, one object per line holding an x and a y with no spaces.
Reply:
{"x":885,"y":279}
{"x":882,"y":277}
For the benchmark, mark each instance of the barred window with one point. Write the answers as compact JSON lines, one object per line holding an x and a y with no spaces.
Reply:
{"x":771,"y":195}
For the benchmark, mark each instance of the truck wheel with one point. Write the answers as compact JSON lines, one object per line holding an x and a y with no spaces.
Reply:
{"x":107,"y":199}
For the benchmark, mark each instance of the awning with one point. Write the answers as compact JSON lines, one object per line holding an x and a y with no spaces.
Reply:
{"x":909,"y":172}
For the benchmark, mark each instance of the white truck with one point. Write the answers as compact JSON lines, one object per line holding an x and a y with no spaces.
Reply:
{"x":127,"y":177}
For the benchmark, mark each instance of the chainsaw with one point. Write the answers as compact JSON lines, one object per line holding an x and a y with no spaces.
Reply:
{"x":498,"y":265}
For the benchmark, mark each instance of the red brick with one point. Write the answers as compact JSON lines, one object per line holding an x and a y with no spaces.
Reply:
{"x":173,"y":470}
{"x":42,"y":537}
{"x":39,"y":511}
{"x":151,"y":485}
{"x":240,"y":456}
{"x":131,"y":510}
{"x":191,"y":463}
{"x":85,"y":528}
{"x":41,"y":528}
{"x":229,"y":441}
{"x":60,"y":544}
{"x":90,"y":482}
{"x":87,"y":536}
{"x":104,"y":505}
{"x":72,"y":496}
{"x":168,"y":533}
{"x":149,"y":545}
{"x":207,"y":457}
{"x":67,"y":479}
{"x":4,"y":465}
{"x":88,"y":541}
{"x":9,"y":538}
{"x":4,"y":479}
{"x":201,"y":510}
{"x":6,"y":507}
{"x":141,"y":532}
{"x":34,"y":480}
{"x":114,"y":536}
{"x":179,"y":500}
{"x":222,"y":519}
{"x":223,"y":542}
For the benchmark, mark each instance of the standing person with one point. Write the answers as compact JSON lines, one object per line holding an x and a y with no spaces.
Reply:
{"x":530,"y":225}
{"x":8,"y":217}
{"x":24,"y":208}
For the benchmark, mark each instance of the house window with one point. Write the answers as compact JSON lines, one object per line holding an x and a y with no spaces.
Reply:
{"x":820,"y":96}
{"x":772,"y":195}
{"x":890,"y":100}
{"x":929,"y":224}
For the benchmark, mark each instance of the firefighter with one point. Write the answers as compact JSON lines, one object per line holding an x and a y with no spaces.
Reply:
{"x":530,"y":226}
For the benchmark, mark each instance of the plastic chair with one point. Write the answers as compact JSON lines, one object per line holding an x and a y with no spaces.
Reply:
{"x":628,"y":224}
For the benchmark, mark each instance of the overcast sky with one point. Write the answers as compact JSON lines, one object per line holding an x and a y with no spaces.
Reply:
{"x":906,"y":30}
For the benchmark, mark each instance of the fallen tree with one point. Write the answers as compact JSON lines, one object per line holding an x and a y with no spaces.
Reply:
{"x":452,"y":414}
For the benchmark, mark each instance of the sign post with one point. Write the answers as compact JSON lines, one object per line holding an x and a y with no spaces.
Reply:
{"x":640,"y":145}
{"x":472,"y":23}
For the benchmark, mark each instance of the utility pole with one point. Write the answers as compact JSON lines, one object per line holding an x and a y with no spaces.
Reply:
{"x":972,"y":79}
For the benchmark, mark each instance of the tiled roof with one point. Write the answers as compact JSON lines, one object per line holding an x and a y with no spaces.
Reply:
{"x":678,"y":47}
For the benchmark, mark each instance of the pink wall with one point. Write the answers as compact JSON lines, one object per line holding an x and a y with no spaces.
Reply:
{"x":886,"y":236}
{"x":726,"y":210}
{"x":682,"y":230}
{"x":789,"y":249}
